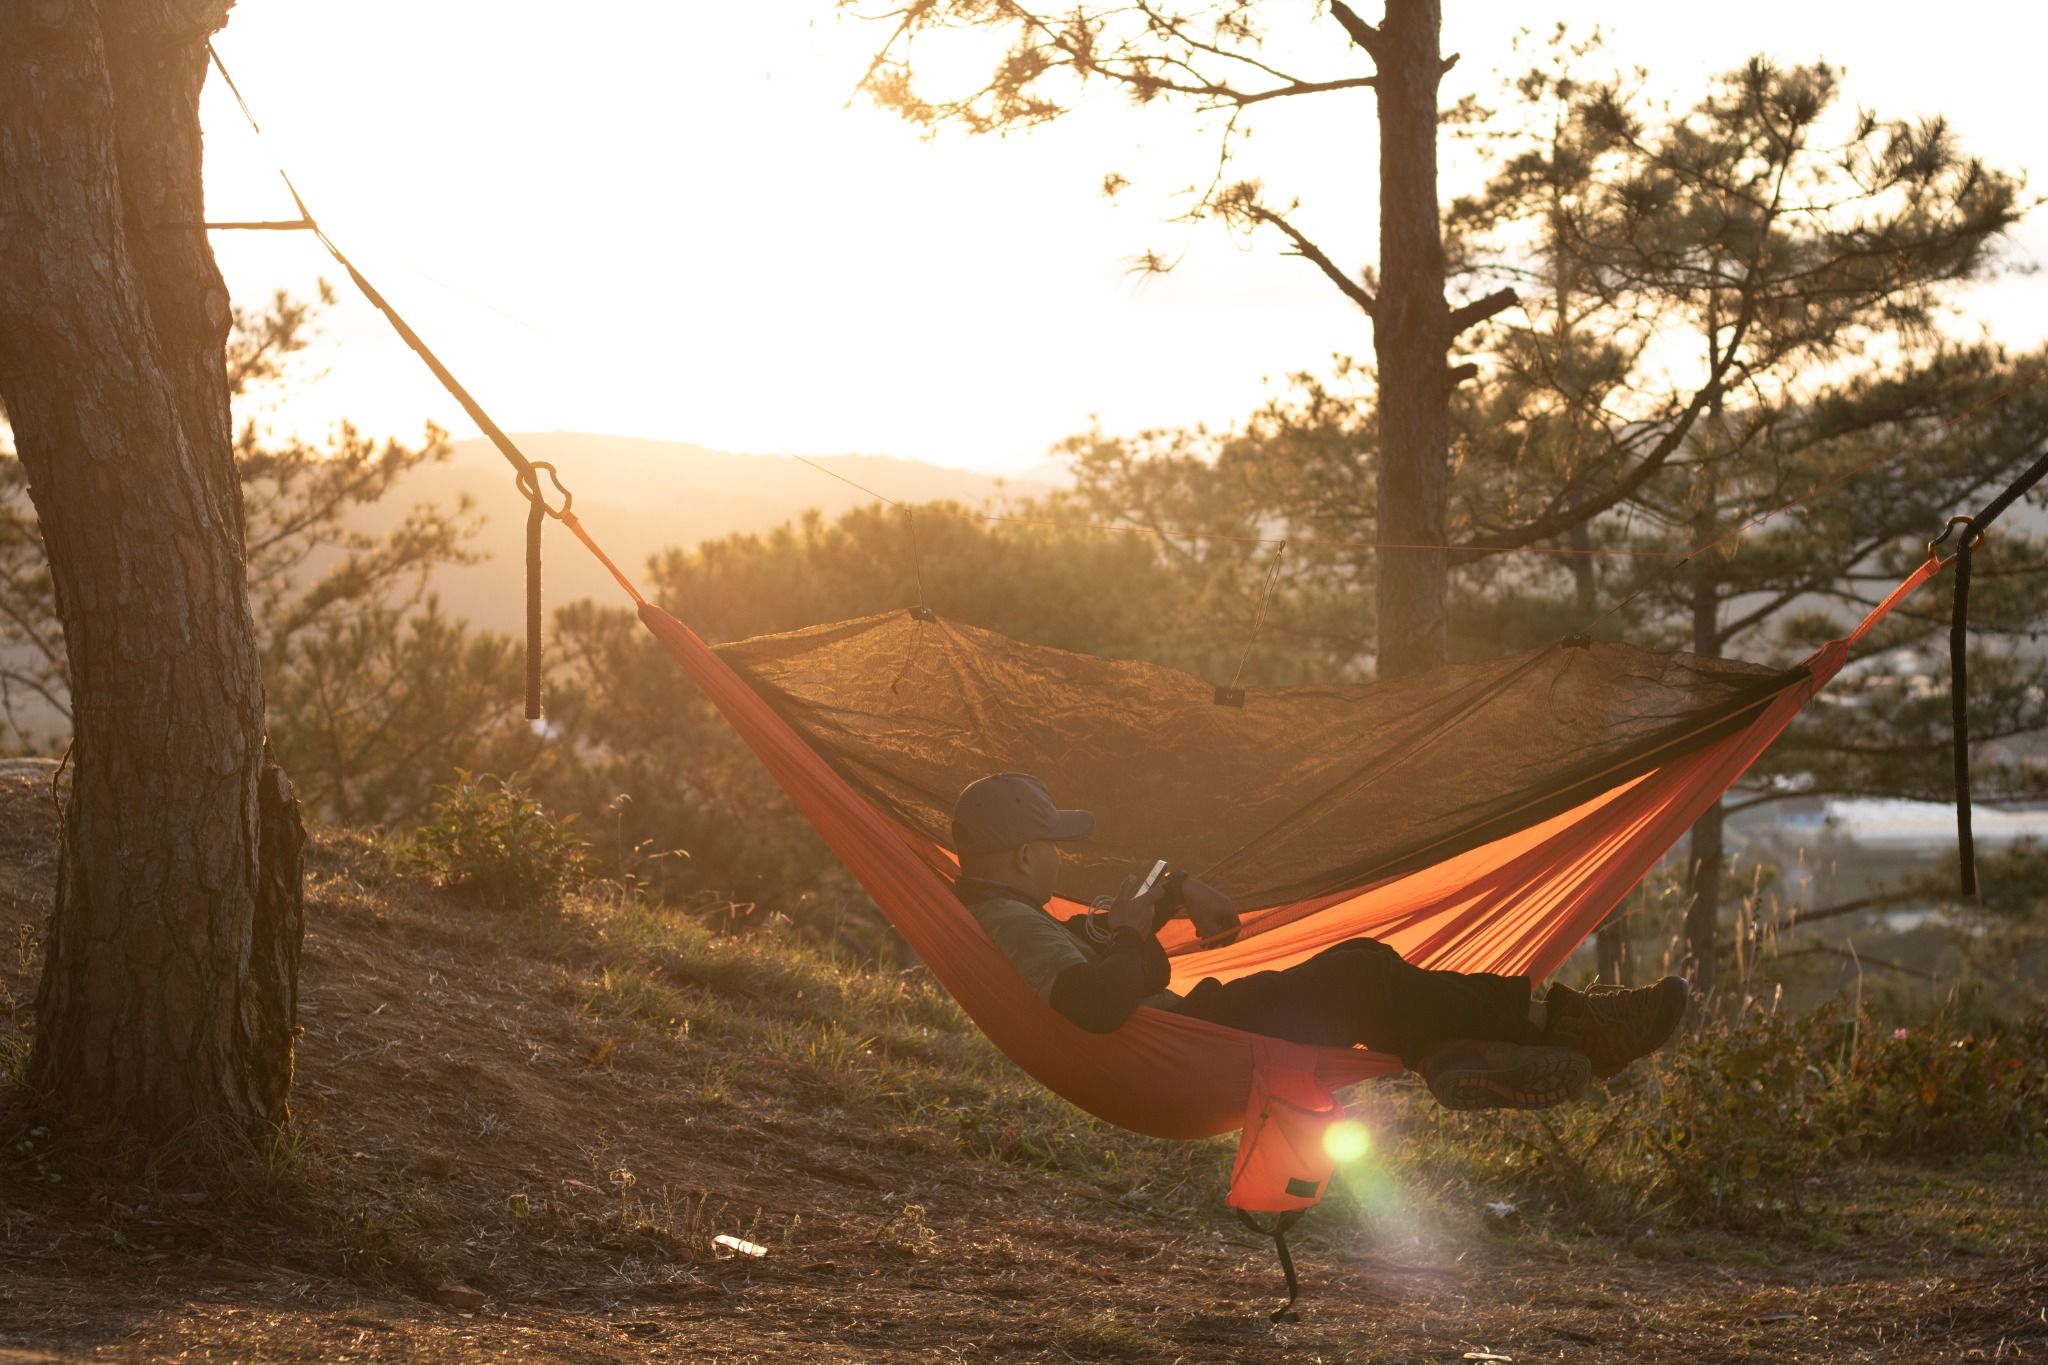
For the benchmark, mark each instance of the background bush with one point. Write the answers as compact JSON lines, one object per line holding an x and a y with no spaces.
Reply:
{"x":1731,"y":1126}
{"x":490,"y":842}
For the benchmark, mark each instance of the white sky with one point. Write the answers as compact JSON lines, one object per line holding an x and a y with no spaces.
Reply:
{"x":659,"y":218}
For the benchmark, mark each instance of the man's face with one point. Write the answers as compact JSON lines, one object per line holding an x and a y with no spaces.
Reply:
{"x":1038,"y":862}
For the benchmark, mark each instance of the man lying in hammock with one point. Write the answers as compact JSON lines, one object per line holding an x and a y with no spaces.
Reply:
{"x":1481,"y":1041}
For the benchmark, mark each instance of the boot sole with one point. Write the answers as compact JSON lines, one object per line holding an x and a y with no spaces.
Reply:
{"x":1535,"y":1078}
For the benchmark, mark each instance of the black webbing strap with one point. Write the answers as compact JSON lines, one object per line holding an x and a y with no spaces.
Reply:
{"x":1278,"y":1232}
{"x":537,"y":513}
{"x":1959,"y":713}
{"x":536,"y":517}
{"x":1973,"y":529}
{"x":525,"y":477}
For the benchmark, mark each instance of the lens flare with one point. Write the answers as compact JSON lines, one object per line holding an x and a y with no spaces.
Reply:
{"x":1346,"y":1140}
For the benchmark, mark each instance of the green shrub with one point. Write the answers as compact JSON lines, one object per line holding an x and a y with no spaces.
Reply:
{"x":488,"y":841}
{"x":1930,"y":1091}
{"x":1729,"y":1124}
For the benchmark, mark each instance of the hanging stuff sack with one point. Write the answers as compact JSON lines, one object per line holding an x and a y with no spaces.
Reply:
{"x":1283,"y":1164}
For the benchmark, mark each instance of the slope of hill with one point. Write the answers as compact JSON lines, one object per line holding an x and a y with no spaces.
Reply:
{"x":641,"y":496}
{"x":519,"y":1133}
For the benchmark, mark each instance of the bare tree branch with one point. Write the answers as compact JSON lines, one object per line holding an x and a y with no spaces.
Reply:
{"x":1479,"y":310}
{"x":1858,"y":958}
{"x":1362,"y":33}
{"x":1312,"y":253}
{"x":1801,"y":918}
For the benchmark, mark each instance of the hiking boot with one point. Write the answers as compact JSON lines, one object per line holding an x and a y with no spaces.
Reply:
{"x":1490,"y":1075}
{"x":1613,"y":1026}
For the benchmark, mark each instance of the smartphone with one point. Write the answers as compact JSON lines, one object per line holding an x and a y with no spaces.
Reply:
{"x":1151,"y":878}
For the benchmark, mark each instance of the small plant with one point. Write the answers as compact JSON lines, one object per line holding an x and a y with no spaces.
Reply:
{"x":490,"y":842}
{"x":907,"y":1234}
{"x":13,"y":1058}
{"x":14,"y":1043}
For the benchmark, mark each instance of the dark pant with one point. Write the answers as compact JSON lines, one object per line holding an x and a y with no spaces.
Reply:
{"x":1363,"y":992}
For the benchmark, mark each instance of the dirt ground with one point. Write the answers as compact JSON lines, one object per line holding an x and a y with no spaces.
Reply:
{"x":481,"y":1172}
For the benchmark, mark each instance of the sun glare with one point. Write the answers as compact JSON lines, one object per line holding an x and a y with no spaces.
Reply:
{"x":1346,"y":1140}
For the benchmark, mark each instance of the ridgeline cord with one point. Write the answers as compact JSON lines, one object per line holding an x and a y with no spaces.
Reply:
{"x":916,"y":554}
{"x":1233,"y":695}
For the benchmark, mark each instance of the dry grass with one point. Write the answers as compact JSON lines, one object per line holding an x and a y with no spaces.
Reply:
{"x":561,"y":1112}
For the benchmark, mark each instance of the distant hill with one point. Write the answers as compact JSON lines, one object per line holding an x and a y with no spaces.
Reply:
{"x":641,"y":496}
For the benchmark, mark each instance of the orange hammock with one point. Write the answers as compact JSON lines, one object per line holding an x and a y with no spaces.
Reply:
{"x":1509,"y":878}
{"x":1517,"y":903}
{"x":1512,"y":885}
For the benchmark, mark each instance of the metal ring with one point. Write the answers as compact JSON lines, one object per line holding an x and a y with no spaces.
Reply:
{"x":529,"y":488}
{"x":1934,"y":545}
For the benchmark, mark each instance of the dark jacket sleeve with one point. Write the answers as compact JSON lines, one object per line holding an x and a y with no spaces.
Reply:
{"x":1158,"y":971}
{"x":1100,"y":995}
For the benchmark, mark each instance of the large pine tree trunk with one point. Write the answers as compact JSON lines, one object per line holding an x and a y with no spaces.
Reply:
{"x":1411,"y":340}
{"x":169,"y":991}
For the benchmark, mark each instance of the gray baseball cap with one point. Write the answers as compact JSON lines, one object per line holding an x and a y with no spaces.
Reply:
{"x":1004,"y":810}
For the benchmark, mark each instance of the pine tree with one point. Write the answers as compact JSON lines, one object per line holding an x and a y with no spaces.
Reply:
{"x":1731,"y":307}
{"x":169,"y":992}
{"x":344,"y":625}
{"x":1208,"y":58}
{"x":1726,"y":309}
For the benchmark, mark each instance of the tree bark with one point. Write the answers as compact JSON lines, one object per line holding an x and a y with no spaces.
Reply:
{"x":1705,"y":849}
{"x":1411,"y":342}
{"x":169,"y":991}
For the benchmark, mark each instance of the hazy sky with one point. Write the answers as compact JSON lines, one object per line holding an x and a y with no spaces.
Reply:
{"x":660,"y":218}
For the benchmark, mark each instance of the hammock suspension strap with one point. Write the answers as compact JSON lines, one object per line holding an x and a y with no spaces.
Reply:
{"x":1973,"y":529}
{"x":1282,"y":1224}
{"x":527,"y":481}
{"x":525,"y":470}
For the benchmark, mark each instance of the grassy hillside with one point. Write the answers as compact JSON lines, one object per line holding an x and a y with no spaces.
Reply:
{"x":518,"y":1132}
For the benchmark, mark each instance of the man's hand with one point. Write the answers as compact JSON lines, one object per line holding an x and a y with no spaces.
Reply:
{"x":1213,"y":914}
{"x":1134,"y":912}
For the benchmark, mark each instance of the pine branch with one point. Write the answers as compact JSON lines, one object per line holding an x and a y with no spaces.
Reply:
{"x":1312,"y":253}
{"x":1479,"y":310}
{"x":1725,"y":949}
{"x":1362,"y":33}
{"x":1858,"y":958}
{"x":1567,"y":510}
